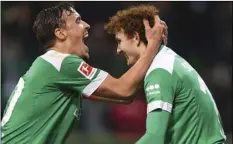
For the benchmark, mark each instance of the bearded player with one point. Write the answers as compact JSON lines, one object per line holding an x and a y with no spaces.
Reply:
{"x":46,"y":100}
{"x":180,"y":107}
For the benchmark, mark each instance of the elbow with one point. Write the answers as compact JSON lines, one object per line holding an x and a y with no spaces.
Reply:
{"x":127,"y":97}
{"x":129,"y":101}
{"x":127,"y":93}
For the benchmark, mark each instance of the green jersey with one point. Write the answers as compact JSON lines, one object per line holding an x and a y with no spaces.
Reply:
{"x":172,"y":84}
{"x":47,"y":99}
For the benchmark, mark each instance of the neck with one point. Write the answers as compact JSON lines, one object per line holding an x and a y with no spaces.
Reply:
{"x":142,"y":48}
{"x":65,"y":47}
{"x":58,"y":49}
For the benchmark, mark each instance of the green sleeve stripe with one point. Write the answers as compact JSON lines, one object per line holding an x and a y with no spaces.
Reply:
{"x":158,"y":104}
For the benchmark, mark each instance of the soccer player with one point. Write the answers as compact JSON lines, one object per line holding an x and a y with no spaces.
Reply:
{"x":180,"y":108}
{"x":46,"y":100}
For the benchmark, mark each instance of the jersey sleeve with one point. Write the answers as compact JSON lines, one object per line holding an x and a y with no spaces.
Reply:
{"x":79,"y":76}
{"x":159,"y":90}
{"x":156,"y":128}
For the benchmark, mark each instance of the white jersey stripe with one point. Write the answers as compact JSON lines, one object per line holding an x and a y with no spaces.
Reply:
{"x":94,"y":84}
{"x":55,"y":58}
{"x":13,"y":101}
{"x":158,"y":104}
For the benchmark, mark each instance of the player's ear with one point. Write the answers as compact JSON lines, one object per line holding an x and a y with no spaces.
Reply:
{"x":136,"y":37}
{"x":60,"y":34}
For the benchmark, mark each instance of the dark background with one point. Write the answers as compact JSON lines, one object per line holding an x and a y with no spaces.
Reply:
{"x":201,"y":32}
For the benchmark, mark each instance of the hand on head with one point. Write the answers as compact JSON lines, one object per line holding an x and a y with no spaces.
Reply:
{"x":158,"y":31}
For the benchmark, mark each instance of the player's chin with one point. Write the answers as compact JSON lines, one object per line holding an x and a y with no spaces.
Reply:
{"x":129,"y":63}
{"x":87,"y":56}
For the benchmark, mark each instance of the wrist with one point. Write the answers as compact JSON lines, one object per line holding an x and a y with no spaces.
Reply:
{"x":154,"y":43}
{"x":155,"y":40}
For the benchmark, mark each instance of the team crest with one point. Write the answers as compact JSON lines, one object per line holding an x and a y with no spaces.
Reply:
{"x":86,"y":70}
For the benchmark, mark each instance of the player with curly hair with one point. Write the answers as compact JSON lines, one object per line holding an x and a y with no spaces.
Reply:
{"x":180,"y":107}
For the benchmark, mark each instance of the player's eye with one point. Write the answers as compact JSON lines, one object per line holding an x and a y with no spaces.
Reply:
{"x":118,"y":41}
{"x":78,"y":20}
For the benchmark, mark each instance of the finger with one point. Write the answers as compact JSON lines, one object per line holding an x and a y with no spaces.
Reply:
{"x":164,"y":37}
{"x":165,"y":30}
{"x":146,"y":24}
{"x":156,"y":19}
{"x":157,"y":22}
{"x":163,"y":23}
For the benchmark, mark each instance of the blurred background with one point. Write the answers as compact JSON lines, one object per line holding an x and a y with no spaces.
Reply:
{"x":201,"y":32}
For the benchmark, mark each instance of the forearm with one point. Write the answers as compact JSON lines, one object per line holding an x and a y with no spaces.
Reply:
{"x":131,"y":80}
{"x":156,"y":127}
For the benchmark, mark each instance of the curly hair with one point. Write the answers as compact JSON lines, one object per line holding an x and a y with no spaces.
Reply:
{"x":130,"y":20}
{"x":48,"y":20}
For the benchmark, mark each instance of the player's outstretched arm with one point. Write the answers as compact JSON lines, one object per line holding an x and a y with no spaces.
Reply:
{"x":126,"y":85}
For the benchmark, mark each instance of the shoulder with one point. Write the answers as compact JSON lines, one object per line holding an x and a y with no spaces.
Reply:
{"x":58,"y":60}
{"x":164,"y":60}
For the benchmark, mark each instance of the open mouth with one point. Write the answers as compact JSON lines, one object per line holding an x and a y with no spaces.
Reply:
{"x":126,"y":57}
{"x":85,"y":36}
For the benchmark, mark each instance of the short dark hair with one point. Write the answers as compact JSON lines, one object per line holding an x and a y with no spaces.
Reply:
{"x":131,"y":20}
{"x":47,"y":21}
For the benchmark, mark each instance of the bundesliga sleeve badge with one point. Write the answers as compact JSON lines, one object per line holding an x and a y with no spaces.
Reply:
{"x":86,"y":70}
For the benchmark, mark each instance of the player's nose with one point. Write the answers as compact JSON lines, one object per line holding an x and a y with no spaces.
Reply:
{"x":86,"y":25}
{"x":119,"y":51}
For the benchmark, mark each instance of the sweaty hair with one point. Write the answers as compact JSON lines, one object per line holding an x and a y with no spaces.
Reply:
{"x":48,"y":20}
{"x":130,"y":20}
